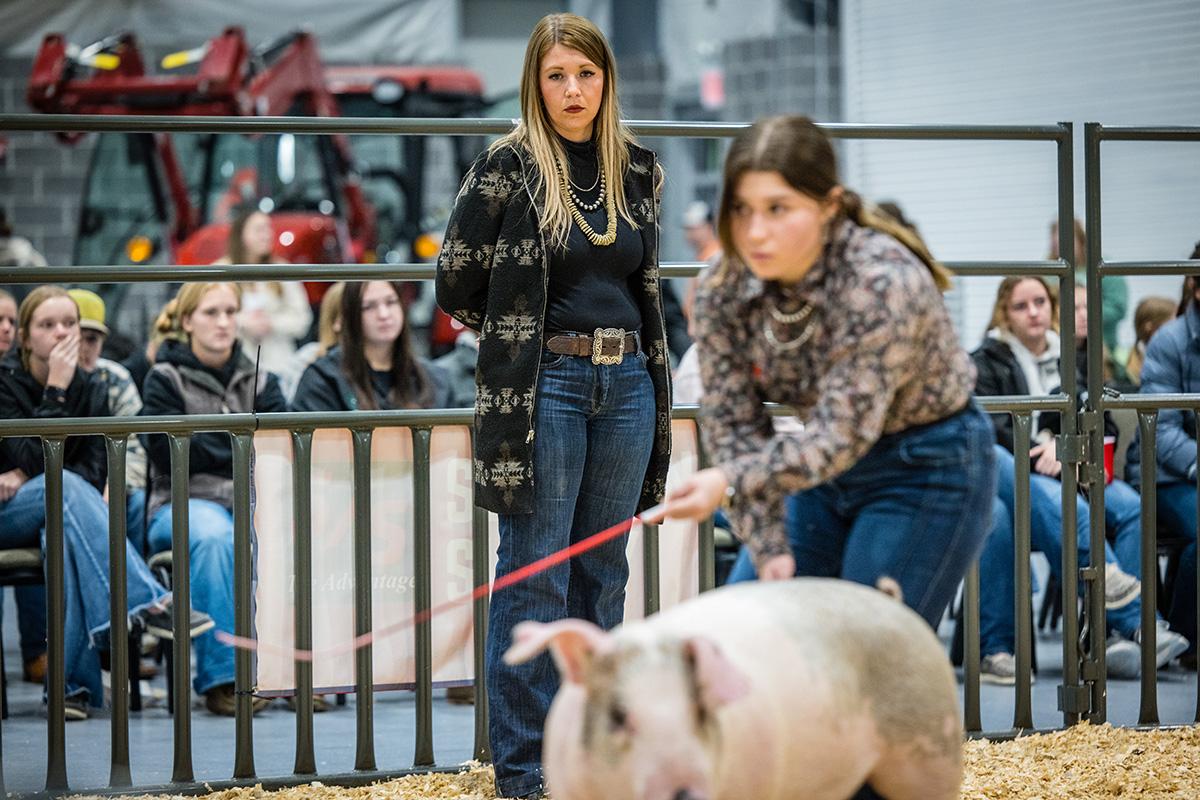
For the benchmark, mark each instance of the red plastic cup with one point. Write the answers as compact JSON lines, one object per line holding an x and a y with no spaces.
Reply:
{"x":1110,"y":450}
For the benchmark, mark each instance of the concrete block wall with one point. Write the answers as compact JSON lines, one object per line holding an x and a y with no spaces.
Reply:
{"x":41,"y":177}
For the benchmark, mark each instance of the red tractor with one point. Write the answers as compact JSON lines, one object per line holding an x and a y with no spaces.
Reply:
{"x":167,"y":197}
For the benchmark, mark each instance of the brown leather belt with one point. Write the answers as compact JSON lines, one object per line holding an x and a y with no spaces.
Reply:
{"x":604,"y":346}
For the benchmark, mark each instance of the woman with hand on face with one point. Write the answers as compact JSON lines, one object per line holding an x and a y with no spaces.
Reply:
{"x":373,"y":367}
{"x":201,"y":369}
{"x":42,"y":380}
{"x":825,"y":306}
{"x":551,"y":254}
{"x":274,"y":315}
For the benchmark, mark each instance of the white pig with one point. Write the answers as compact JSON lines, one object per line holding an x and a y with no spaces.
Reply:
{"x":802,"y":689}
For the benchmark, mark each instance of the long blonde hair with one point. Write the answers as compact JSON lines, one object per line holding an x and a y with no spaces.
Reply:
{"x":535,"y":133}
{"x":169,"y":324}
{"x":802,"y":154}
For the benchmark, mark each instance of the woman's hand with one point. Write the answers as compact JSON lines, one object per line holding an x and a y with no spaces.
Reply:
{"x":62,"y":362}
{"x":1047,"y":459}
{"x":697,"y":497}
{"x":778,"y":568}
{"x":10,"y":482}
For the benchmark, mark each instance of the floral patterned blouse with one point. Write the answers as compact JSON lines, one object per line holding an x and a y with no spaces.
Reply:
{"x":876,"y":355}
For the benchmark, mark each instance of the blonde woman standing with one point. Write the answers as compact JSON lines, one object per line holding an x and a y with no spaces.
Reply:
{"x":551,"y":254}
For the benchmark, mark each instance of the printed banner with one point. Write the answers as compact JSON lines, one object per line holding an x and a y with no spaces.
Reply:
{"x":392,"y":573}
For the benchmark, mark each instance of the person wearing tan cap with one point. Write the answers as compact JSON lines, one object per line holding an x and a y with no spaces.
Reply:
{"x":122,"y":398}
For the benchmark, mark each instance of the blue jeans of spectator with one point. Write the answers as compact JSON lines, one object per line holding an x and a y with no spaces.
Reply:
{"x":1177,"y":511}
{"x":85,"y":574}
{"x":916,"y":508}
{"x":594,"y":429}
{"x":210,"y":548}
{"x":997,"y":588}
{"x":31,"y":600}
{"x":135,"y":520}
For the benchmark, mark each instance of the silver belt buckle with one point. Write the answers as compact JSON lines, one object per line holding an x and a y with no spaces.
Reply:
{"x":602,"y":335}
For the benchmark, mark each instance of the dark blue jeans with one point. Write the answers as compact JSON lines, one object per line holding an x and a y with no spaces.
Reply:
{"x":916,"y":508}
{"x":997,"y":587}
{"x":1177,"y":511}
{"x":594,"y":429}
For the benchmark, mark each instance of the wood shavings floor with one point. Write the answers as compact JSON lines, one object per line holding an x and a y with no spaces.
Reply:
{"x":1092,"y":762}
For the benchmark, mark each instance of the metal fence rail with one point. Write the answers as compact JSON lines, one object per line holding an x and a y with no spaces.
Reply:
{"x":1098,"y":402}
{"x":1083,"y":689}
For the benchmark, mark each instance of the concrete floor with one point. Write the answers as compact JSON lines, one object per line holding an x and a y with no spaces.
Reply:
{"x":150,"y":731}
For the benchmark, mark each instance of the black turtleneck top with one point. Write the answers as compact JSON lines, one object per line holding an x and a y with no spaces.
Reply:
{"x":589,"y":285}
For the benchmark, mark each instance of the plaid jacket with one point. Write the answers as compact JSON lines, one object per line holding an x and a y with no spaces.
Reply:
{"x":492,"y":275}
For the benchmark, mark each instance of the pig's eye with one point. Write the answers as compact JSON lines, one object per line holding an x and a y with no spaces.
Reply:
{"x":617,"y":718}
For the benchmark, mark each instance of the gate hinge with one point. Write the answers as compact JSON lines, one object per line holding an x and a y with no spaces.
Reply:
{"x":1070,"y":448}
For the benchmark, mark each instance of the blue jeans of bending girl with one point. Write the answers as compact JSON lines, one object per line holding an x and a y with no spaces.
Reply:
{"x":916,"y":508}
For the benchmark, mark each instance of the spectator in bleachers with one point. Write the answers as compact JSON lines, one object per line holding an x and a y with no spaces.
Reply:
{"x":1020,"y":356}
{"x":826,"y":305}
{"x":1151,"y":314}
{"x":1173,"y":366}
{"x":123,"y":400}
{"x":201,"y":368}
{"x":373,"y":367}
{"x":41,"y":379}
{"x":274,"y":314}
{"x":31,"y":600}
{"x":1115,"y":290}
{"x":8,"y":321}
{"x":329,"y":326}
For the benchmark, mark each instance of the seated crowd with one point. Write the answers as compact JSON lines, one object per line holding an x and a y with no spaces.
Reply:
{"x":231,"y":348}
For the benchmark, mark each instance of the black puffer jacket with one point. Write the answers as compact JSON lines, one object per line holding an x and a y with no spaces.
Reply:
{"x":21,"y":398}
{"x":998,"y":373}
{"x":325,"y":387}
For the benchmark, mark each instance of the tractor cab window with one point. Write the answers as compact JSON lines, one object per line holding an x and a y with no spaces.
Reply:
{"x":124,"y":217}
{"x":294,"y":171}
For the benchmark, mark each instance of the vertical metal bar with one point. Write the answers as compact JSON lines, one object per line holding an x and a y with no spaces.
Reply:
{"x":181,"y":602}
{"x":422,"y":598}
{"x":243,"y":557}
{"x":1022,"y":600}
{"x":481,"y":574}
{"x":971,"y":716}
{"x":1072,"y":656}
{"x":651,"y":595}
{"x":306,"y":762}
{"x":1095,"y":594}
{"x":56,"y":686}
{"x":480,"y":557}
{"x":364,"y":758}
{"x":707,"y":557}
{"x":118,"y":775}
{"x":1148,"y":428}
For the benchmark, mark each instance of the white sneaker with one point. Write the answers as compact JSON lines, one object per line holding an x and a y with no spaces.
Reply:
{"x":1123,"y":657}
{"x":1168,"y":645}
{"x":1120,"y":588}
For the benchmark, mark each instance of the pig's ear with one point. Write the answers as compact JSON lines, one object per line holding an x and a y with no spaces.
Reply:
{"x":572,"y":642}
{"x":717,"y":678}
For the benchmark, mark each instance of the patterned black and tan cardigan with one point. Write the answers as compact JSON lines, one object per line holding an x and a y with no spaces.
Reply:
{"x":492,"y":276}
